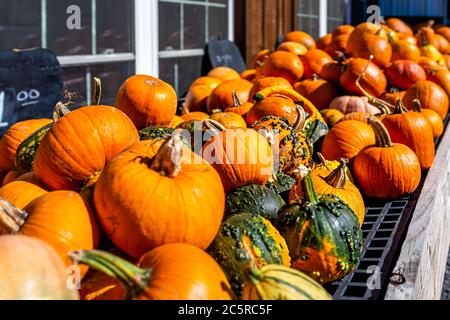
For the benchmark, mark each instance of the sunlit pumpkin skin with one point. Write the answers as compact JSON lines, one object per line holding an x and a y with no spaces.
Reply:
{"x":404,"y":73}
{"x":222,"y":96}
{"x":170,"y":272}
{"x":320,"y":92}
{"x":147,"y":101}
{"x":349,"y":104}
{"x":322,"y":234}
{"x":332,"y":72}
{"x":10,"y":177}
{"x":20,"y":193}
{"x":443,"y":31}
{"x":404,"y":50}
{"x":442,"y":78}
{"x":265,"y":82}
{"x":358,"y":116}
{"x":430,"y":95}
{"x":224,"y":73}
{"x":413,"y":130}
{"x":197,"y":97}
{"x":399,"y":25}
{"x":273,"y":106}
{"x":283,"y":64}
{"x":392,"y":96}
{"x":433,"y":118}
{"x":334,"y":183}
{"x":313,"y":62}
{"x":426,"y":36}
{"x":447,"y":60}
{"x":196,"y":115}
{"x":325,"y":167}
{"x":240,"y":156}
{"x":31,"y":270}
{"x":248,"y":75}
{"x":373,"y":81}
{"x":238,"y":107}
{"x":42,"y":219}
{"x":442,"y":44}
{"x":302,"y":38}
{"x":429,"y":64}
{"x":176,"y":120}
{"x":346,"y":139}
{"x":80,"y":144}
{"x":360,"y":32}
{"x":206,"y":81}
{"x":433,"y":53}
{"x":343,"y":29}
{"x":293,"y":47}
{"x":193,"y":185}
{"x":243,"y":239}
{"x":337,"y":44}
{"x":323,"y":42}
{"x":331,"y":116}
{"x":372,"y":44}
{"x":15,"y":135}
{"x":229,"y":120}
{"x":258,"y":60}
{"x":386,"y":170}
{"x":277,"y":282}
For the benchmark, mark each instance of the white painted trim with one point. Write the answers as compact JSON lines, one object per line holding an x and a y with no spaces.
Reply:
{"x":181,"y":53}
{"x":323,"y":17}
{"x":231,"y":20}
{"x":78,"y":60}
{"x":146,"y":37}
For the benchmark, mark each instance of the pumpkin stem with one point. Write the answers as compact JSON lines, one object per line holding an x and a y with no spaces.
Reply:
{"x":315,"y":77}
{"x":133,"y":278}
{"x":255,"y":276}
{"x":321,"y":157}
{"x":382,"y":135}
{"x":167,"y":160}
{"x":338,"y":177}
{"x":301,"y":116}
{"x":236,"y":101}
{"x":96,"y":97}
{"x":11,"y":217}
{"x":304,"y":174}
{"x":417,"y":105}
{"x":399,"y":107}
{"x":339,"y":57}
{"x":214,"y":125}
{"x":60,"y":110}
{"x":184,"y":109}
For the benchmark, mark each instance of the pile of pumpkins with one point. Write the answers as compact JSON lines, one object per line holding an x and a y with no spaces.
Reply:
{"x":254,"y":191}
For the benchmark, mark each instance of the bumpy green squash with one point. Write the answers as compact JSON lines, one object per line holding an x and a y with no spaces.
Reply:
{"x":254,"y":199}
{"x":277,"y":282}
{"x":323,"y":235}
{"x":152,"y":132}
{"x":281,"y":183}
{"x":246,"y":239}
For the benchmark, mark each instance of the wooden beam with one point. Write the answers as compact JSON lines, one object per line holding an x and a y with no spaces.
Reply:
{"x":420,"y":269}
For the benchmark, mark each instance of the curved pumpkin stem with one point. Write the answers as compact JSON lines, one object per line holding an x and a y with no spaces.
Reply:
{"x":381,"y":133}
{"x":236,"y":101}
{"x":339,"y":57}
{"x":96,"y":97}
{"x":399,"y":107}
{"x":11,"y":217}
{"x":315,"y":77}
{"x":338,"y":177}
{"x":213,"y":125}
{"x":301,"y":116}
{"x":321,"y":157}
{"x":417,"y":105}
{"x":132,"y":278}
{"x":60,"y":110}
{"x":167,"y":160}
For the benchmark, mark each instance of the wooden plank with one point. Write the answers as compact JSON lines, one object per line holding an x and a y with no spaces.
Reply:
{"x":422,"y":261}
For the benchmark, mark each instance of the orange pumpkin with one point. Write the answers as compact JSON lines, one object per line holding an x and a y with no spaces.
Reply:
{"x":399,"y":25}
{"x":331,"y":116}
{"x":229,"y":120}
{"x":20,"y":193}
{"x":240,"y":156}
{"x":426,"y":36}
{"x":224,"y":74}
{"x":332,"y":71}
{"x":360,"y":32}
{"x":372,"y":80}
{"x":184,"y":197}
{"x":404,"y":73}
{"x":429,"y":64}
{"x":79,"y":145}
{"x":442,"y":78}
{"x":147,"y":101}
{"x":258,"y":60}
{"x":433,"y":118}
{"x":320,"y":92}
{"x":313,"y":62}
{"x":239,"y":107}
{"x":197,"y":97}
{"x":373,"y":45}
{"x":12,"y":139}
{"x":273,"y":106}
{"x":442,"y":44}
{"x":10,"y":177}
{"x":265,"y":82}
{"x":196,"y":115}
{"x":392,"y":96}
{"x":338,"y":44}
{"x":176,"y":120}
{"x":343,"y":29}
{"x":249,"y":74}
{"x":222,"y":96}
{"x":293,"y":47}
{"x":430,"y":96}
{"x":404,"y":50}
{"x":206,"y":81}
{"x":283,"y":64}
{"x":302,"y":38}
{"x":324,"y":41}
{"x":443,"y":31}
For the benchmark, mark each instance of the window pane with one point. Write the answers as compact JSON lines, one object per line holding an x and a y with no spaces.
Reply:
{"x":75,"y":81}
{"x":309,"y":25}
{"x":308,"y":17}
{"x":62,"y":40}
{"x":218,"y":23}
{"x":169,"y":26}
{"x":20,"y":24}
{"x":194,"y":27}
{"x":336,"y":13}
{"x":180,"y":72}
{"x":115,"y":25}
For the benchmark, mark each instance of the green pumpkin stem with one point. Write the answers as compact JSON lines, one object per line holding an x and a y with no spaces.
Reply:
{"x":133,"y":278}
{"x":383,"y":139}
{"x":255,"y":276}
{"x":399,"y":107}
{"x":11,"y":217}
{"x":96,"y":97}
{"x":304,"y":174}
{"x":338,"y":177}
{"x":167,"y":160}
{"x":417,"y":105}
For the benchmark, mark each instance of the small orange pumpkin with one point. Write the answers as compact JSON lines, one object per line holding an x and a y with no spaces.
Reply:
{"x":224,"y":73}
{"x":320,"y":92}
{"x":313,"y":62}
{"x":283,"y":64}
{"x":302,"y":38}
{"x":222,"y":96}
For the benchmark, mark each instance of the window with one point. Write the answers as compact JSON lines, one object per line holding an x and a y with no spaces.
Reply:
{"x":185,"y":26}
{"x":317,"y":17}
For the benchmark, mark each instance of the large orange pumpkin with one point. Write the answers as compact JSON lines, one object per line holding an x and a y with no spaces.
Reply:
{"x":404,"y":50}
{"x":320,"y":92}
{"x":360,"y":32}
{"x":197,"y":97}
{"x":433,"y":118}
{"x":373,"y":45}
{"x":283,"y":64}
{"x":273,"y":106}
{"x":80,"y":144}
{"x":147,"y":101}
{"x":222,"y":96}
{"x":21,"y":193}
{"x":404,"y":73}
{"x":302,"y":38}
{"x":240,"y":156}
{"x":175,"y":196}
{"x":430,"y":96}
{"x":313,"y":62}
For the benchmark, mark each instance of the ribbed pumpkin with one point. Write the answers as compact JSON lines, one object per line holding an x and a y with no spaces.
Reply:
{"x":20,"y":193}
{"x":184,"y":197}
{"x":265,"y":82}
{"x":331,"y":116}
{"x":240,"y":156}
{"x":293,"y":47}
{"x":80,"y":144}
{"x":313,"y":62}
{"x":433,"y":118}
{"x":386,"y":170}
{"x":322,"y":234}
{"x":373,"y":79}
{"x":413,"y":130}
{"x":320,"y":92}
{"x":441,"y":77}
{"x":346,"y":139}
{"x":12,"y":139}
{"x":224,"y":73}
{"x":302,"y":38}
{"x":222,"y":96}
{"x":430,"y":95}
{"x":429,"y":64}
{"x":283,"y":64}
{"x":360,"y":32}
{"x":404,"y":50}
{"x":404,"y":73}
{"x":334,"y":183}
{"x":147,"y":101}
{"x":170,"y":272}
{"x":59,"y":218}
{"x":277,"y":282}
{"x":243,"y":239}
{"x":443,"y":31}
{"x":31,"y":270}
{"x":349,"y":104}
{"x":229,"y":120}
